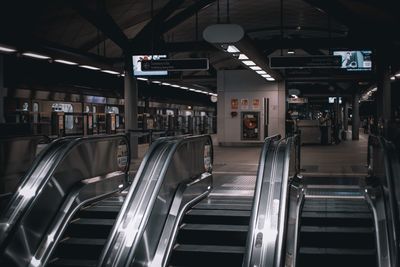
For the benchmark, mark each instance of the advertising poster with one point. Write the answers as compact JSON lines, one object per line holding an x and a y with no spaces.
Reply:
{"x":234,"y":103}
{"x":256,"y":104}
{"x":244,"y":103}
{"x":251,"y":125}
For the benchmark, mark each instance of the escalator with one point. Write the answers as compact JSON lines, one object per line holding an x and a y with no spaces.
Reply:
{"x":87,"y":232}
{"x":213,"y":233}
{"x":336,"y":229}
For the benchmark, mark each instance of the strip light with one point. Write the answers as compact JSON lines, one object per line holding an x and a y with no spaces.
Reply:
{"x":232,"y":49}
{"x":7,"y":49}
{"x":89,"y":67}
{"x":110,"y":71}
{"x":34,"y":55}
{"x":62,"y":61}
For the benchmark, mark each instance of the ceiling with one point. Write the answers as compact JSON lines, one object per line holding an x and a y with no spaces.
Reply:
{"x":104,"y":31}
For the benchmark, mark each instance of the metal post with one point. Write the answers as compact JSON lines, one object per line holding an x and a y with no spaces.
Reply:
{"x":355,"y":127}
{"x":131,"y":104}
{"x":2,"y":90}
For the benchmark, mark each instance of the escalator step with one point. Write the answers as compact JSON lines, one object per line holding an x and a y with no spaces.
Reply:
{"x":210,"y":249}
{"x":336,"y":251}
{"x":215,"y":227}
{"x":89,"y":221}
{"x":80,"y":248}
{"x":333,"y":229}
{"x":344,"y":215}
{"x":207,"y":216}
{"x":224,"y":206}
{"x":61,"y":262}
{"x":85,"y":241}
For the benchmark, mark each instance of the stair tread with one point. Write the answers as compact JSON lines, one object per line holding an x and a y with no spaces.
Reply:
{"x":73,"y":262}
{"x":336,"y":251}
{"x":215,"y":227}
{"x":93,"y":221}
{"x":210,"y":212}
{"x":84,"y":241}
{"x":210,"y":248}
{"x":336,"y":229}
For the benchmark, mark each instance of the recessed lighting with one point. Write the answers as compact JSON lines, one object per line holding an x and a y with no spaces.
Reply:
{"x":243,"y":57}
{"x":156,"y":82}
{"x":248,"y":63}
{"x":166,"y":84}
{"x":34,"y":55}
{"x":261,"y":72}
{"x":255,"y":68}
{"x":232,"y":49}
{"x":142,"y":79}
{"x":62,"y":61}
{"x":7,"y":49}
{"x":110,"y":72}
{"x":89,"y":67}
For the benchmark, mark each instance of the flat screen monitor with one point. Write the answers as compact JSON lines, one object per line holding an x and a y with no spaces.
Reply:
{"x":137,"y":65}
{"x":355,"y":60}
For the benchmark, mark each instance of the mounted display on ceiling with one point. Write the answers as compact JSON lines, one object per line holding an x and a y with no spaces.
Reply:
{"x":355,"y":60}
{"x":137,"y":65}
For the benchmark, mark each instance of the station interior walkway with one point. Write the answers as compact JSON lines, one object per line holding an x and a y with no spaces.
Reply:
{"x":349,"y":158}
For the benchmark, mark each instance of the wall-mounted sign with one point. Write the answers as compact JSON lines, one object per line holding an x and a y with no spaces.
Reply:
{"x":244,"y":103}
{"x":234,"y":103}
{"x":256,"y":104}
{"x":250,"y":125}
{"x":299,"y":100}
{"x":190,"y":64}
{"x":296,"y":62}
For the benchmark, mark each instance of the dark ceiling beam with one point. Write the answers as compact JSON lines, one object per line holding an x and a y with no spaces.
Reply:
{"x":151,"y":32}
{"x":185,"y":14}
{"x":295,"y":28}
{"x":99,"y":17}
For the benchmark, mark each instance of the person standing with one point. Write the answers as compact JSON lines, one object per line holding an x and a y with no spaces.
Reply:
{"x":323,"y":126}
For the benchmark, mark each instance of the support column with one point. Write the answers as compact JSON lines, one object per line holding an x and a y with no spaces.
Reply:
{"x":2,"y":90}
{"x":346,"y":115}
{"x":131,"y":106}
{"x":355,"y":124}
{"x":383,"y":94}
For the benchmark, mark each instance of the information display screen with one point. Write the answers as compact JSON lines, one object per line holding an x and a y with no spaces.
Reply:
{"x":137,"y":65}
{"x":355,"y":60}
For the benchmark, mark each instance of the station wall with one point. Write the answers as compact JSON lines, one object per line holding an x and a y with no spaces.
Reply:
{"x":239,"y":87}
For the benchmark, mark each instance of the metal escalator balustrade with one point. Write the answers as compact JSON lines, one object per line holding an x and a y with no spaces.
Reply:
{"x":169,"y":180}
{"x":70,"y":174}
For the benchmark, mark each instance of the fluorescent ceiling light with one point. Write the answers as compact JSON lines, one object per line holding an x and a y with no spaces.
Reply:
{"x":111,"y":72}
{"x":397,"y":74}
{"x":393,"y":78}
{"x":374,"y":89}
{"x":232,"y":49}
{"x":291,"y":52}
{"x":184,"y":87}
{"x":266,"y":75}
{"x":34,"y":55}
{"x":295,"y":96}
{"x":167,"y":84}
{"x":248,"y":63}
{"x":123,"y":74}
{"x":271,"y":79}
{"x":191,"y":89}
{"x":175,"y":85}
{"x":65,"y":62}
{"x":261,"y":72}
{"x":88,"y":67}
{"x":197,"y":91}
{"x":156,"y":82}
{"x":7,"y":49}
{"x":142,"y":79}
{"x":255,"y":68}
{"x":243,"y":57}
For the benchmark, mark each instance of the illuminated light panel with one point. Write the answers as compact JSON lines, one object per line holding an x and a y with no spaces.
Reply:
{"x":34,"y":55}
{"x":157,"y":82}
{"x":191,"y":89}
{"x":232,"y":49}
{"x":166,"y":84}
{"x":243,"y":57}
{"x":397,"y":75}
{"x":255,"y":68}
{"x":392,"y":78}
{"x":7,"y":49}
{"x":261,"y":72}
{"x":66,"y":62}
{"x":248,"y":63}
{"x":110,"y":72}
{"x":142,"y":79}
{"x":89,"y":67}
{"x":184,"y":87}
{"x":270,"y":79}
{"x":175,"y":85}
{"x":266,"y":75}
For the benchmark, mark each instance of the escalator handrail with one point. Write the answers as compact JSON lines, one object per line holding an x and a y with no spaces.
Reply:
{"x":392,"y":174}
{"x":32,"y":184}
{"x":257,"y":195}
{"x":119,"y":251}
{"x":262,"y":175}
